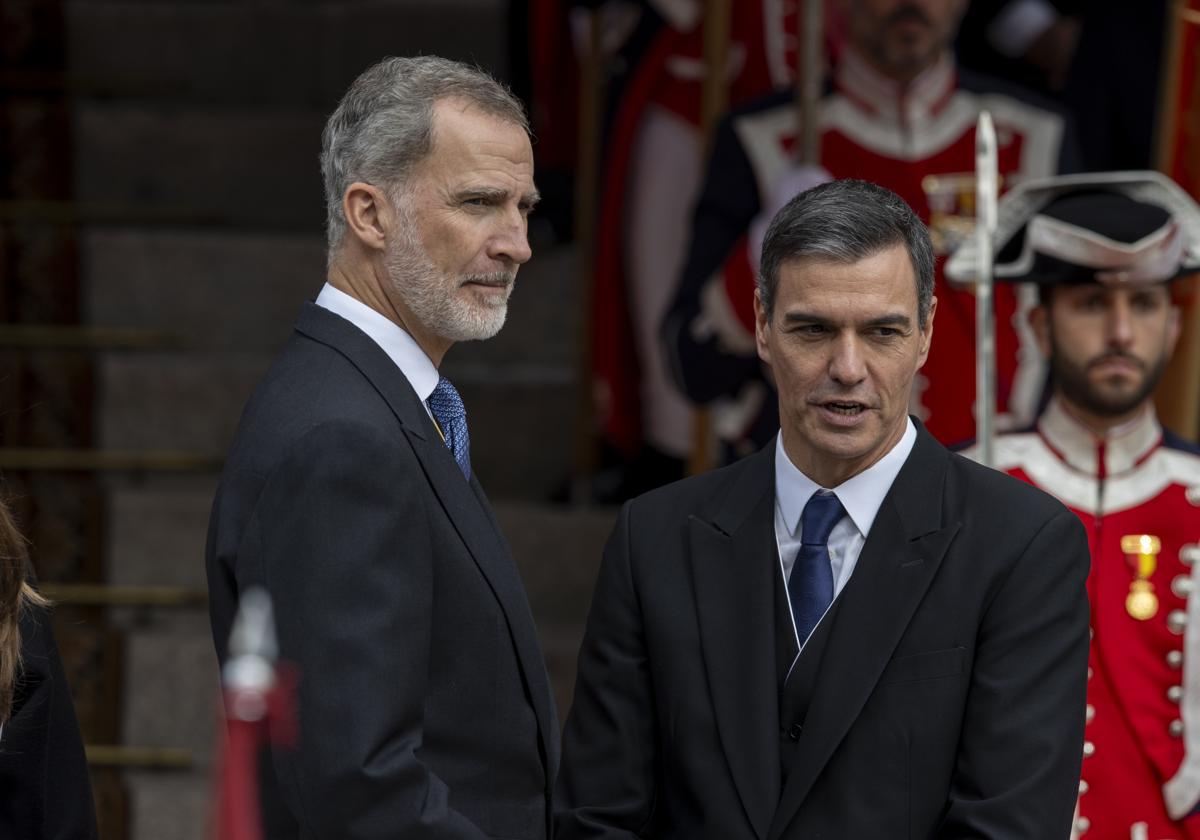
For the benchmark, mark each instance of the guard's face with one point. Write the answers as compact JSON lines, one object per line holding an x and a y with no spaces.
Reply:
{"x":1107,"y":346}
{"x":902,"y":37}
{"x":462,"y":220}
{"x":844,"y":344}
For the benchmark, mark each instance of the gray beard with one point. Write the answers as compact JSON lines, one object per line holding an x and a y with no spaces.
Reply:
{"x":431,"y":295}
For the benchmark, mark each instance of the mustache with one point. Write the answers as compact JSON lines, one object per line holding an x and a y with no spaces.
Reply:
{"x":1117,"y":357}
{"x":908,"y":13}
{"x":495,"y":278}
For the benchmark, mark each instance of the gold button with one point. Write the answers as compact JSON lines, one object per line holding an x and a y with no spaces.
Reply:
{"x":1089,"y":713}
{"x":1082,"y":825}
{"x":1176,"y":729}
{"x":1083,"y":787}
{"x":1175,"y":658}
{"x":1189,"y":554}
{"x":1089,"y":672}
{"x":1177,"y":621}
{"x":1089,"y":749}
{"x":1181,"y":585}
{"x":1175,"y":693}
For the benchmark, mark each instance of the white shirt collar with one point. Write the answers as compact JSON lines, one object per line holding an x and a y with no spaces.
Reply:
{"x":861,"y":495}
{"x":400,"y":347}
{"x":1123,"y":448}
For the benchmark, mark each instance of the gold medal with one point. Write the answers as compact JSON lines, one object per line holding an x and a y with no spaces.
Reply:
{"x":1141,"y":552}
{"x":1141,"y":603}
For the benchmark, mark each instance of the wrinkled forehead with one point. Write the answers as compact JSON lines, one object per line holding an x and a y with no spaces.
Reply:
{"x":882,"y":279}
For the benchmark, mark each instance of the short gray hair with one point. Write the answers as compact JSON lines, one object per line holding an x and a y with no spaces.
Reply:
{"x":844,"y":222}
{"x":384,"y":124}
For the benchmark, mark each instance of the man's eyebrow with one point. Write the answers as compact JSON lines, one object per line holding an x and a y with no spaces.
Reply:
{"x":800,"y":317}
{"x":496,"y":194}
{"x":892,"y":319}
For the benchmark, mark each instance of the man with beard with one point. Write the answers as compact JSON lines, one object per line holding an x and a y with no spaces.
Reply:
{"x":901,"y":114}
{"x":348,"y":495}
{"x":1104,"y":249}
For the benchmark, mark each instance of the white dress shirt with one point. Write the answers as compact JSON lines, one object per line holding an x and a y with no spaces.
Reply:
{"x":393,"y":339}
{"x":860,"y":495}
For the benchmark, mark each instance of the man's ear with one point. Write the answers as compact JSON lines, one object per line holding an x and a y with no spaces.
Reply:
{"x":1039,"y":320}
{"x":927,"y":332}
{"x":368,"y":215}
{"x":762,"y":328}
{"x":1174,"y":328}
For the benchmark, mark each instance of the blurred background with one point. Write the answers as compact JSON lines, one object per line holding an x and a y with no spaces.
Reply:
{"x":161,"y":221}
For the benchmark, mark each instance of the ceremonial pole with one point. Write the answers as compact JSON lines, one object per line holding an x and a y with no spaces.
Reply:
{"x":986,"y":193}
{"x":258,"y":699}
{"x":810,"y":74}
{"x":587,"y":189}
{"x":1178,"y":131}
{"x":714,"y":100}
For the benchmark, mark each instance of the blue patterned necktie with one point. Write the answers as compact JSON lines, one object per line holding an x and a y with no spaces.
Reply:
{"x":448,"y":409}
{"x":810,"y":587}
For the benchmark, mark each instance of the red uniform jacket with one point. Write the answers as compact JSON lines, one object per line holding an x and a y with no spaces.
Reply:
{"x":1141,"y":767}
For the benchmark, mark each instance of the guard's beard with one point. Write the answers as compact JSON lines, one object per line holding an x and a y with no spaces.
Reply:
{"x":1073,"y":382}
{"x":439,"y":301}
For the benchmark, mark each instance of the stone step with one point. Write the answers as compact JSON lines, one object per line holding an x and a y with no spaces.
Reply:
{"x":238,"y":52}
{"x":156,"y":534}
{"x":156,"y":530}
{"x":168,"y":806}
{"x":189,"y":401}
{"x":215,"y":290}
{"x":241,"y":291}
{"x":228,"y":165}
{"x":171,"y":694}
{"x":522,"y":417}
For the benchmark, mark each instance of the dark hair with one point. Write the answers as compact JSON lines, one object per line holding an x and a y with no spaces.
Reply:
{"x":844,"y":222}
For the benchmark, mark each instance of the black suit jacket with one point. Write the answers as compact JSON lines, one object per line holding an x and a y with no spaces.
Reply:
{"x":425,"y":710}
{"x":44,"y":789}
{"x":948,"y":703}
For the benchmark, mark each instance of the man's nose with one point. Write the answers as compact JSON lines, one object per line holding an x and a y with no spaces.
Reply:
{"x":846,"y":365}
{"x":1120,"y":323}
{"x":510,"y":243}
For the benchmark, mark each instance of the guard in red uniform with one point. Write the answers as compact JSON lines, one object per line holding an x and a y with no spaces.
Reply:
{"x":1103,"y":249}
{"x":901,"y":114}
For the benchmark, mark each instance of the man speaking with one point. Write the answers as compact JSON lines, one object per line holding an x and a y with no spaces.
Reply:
{"x":853,"y":633}
{"x":425,"y":711}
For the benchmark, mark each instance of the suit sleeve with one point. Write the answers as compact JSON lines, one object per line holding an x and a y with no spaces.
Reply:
{"x":1017,"y":772}
{"x":347,"y":558}
{"x":606,"y":785}
{"x":702,"y":366}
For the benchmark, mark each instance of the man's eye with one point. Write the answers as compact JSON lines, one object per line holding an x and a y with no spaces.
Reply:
{"x":886,"y":332}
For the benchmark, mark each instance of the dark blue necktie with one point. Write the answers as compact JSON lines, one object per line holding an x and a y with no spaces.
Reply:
{"x":810,"y":587}
{"x":448,"y":409}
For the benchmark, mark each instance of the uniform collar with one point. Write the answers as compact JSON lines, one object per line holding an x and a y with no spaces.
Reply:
{"x":1120,"y":450}
{"x":906,"y":104}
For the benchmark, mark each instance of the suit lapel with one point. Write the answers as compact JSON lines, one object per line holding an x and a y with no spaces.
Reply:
{"x":733,"y":557}
{"x":899,"y":560}
{"x":464,"y":502}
